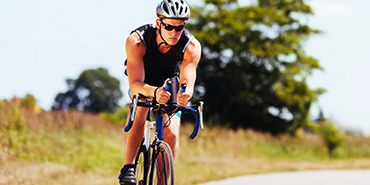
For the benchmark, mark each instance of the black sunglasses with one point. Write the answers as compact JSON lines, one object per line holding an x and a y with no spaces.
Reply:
{"x":170,"y":27}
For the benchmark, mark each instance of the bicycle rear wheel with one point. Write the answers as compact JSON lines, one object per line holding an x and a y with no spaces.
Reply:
{"x":142,"y":165}
{"x":163,"y":168}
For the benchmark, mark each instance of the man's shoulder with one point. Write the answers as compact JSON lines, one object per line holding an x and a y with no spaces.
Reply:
{"x":193,"y":47}
{"x":189,"y":40}
{"x":188,"y":34}
{"x":144,"y":33}
{"x":145,"y":28}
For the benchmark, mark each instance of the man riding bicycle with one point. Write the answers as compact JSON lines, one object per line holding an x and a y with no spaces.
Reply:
{"x":154,"y":54}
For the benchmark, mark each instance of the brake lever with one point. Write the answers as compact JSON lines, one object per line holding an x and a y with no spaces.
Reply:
{"x":200,"y":111}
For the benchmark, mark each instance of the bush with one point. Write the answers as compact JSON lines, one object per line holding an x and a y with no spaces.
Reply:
{"x":30,"y":102}
{"x":332,"y":136}
{"x":118,"y":117}
{"x":13,"y":132}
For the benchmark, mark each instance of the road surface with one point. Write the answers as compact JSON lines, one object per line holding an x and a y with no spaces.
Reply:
{"x":321,"y":177}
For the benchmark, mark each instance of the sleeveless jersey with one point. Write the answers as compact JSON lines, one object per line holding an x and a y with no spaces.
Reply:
{"x":160,"y":66}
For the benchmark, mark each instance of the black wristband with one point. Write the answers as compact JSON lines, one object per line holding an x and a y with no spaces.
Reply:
{"x":155,"y":92}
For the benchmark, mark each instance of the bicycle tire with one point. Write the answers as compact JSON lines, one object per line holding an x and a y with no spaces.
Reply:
{"x":162,"y":174}
{"x":142,"y":165}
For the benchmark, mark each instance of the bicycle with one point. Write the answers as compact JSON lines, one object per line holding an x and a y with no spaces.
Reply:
{"x":154,"y":161}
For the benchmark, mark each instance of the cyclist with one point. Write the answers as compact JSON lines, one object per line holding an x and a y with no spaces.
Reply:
{"x":154,"y":54}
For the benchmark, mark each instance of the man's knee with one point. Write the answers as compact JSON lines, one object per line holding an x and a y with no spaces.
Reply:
{"x":172,"y":132}
{"x":171,"y":135}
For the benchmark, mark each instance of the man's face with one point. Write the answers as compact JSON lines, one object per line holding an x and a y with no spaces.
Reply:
{"x":171,"y":29}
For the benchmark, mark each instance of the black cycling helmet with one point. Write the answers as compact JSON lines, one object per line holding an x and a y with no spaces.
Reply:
{"x":173,"y":9}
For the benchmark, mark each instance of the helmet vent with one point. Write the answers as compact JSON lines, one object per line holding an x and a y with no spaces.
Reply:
{"x":173,"y":9}
{"x":177,"y":5}
{"x":165,"y":8}
{"x":180,"y":12}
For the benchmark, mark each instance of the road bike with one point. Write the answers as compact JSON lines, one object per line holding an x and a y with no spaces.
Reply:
{"x":154,"y":160}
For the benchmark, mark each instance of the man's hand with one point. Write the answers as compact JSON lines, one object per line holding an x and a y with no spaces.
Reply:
{"x":162,"y":96}
{"x":183,"y":98}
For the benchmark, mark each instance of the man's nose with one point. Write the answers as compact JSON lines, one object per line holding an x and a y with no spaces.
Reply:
{"x":174,"y":32}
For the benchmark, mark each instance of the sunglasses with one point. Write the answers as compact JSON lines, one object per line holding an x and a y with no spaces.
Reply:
{"x":170,"y":27}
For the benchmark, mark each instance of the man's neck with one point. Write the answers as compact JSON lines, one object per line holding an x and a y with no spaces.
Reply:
{"x":162,"y":47}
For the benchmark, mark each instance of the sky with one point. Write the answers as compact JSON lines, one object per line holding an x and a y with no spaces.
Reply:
{"x":45,"y":42}
{"x":343,"y":52}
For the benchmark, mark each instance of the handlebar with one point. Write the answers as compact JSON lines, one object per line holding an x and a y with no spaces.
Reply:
{"x":198,"y":113}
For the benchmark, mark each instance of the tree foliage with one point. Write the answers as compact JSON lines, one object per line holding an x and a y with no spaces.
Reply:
{"x":29,"y":101}
{"x":94,"y":91}
{"x":253,"y":68}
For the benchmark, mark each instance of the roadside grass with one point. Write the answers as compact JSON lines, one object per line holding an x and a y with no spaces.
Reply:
{"x":219,"y":153}
{"x":79,"y":140}
{"x":82,"y":145}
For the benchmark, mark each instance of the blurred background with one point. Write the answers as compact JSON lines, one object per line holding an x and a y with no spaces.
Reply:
{"x":291,"y":72}
{"x":45,"y":42}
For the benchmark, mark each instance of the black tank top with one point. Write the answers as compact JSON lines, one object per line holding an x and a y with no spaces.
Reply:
{"x":160,"y":66}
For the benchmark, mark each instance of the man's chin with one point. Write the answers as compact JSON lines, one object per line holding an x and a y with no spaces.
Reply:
{"x":172,"y":42}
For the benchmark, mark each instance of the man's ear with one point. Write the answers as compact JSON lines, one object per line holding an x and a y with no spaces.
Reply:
{"x":157,"y":22}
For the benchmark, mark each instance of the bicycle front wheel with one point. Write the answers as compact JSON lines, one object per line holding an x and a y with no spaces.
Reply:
{"x":142,"y":166}
{"x":163,"y":167}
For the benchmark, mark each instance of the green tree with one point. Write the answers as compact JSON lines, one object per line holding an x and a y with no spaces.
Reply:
{"x":29,"y":101}
{"x":94,"y":91}
{"x":253,"y":68}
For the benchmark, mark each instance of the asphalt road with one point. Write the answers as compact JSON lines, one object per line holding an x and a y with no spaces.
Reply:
{"x":321,"y":177}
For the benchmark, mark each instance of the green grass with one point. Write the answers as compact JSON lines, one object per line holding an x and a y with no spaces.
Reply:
{"x":80,"y":140}
{"x":88,"y":143}
{"x":219,"y":153}
{"x":83,"y":149}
